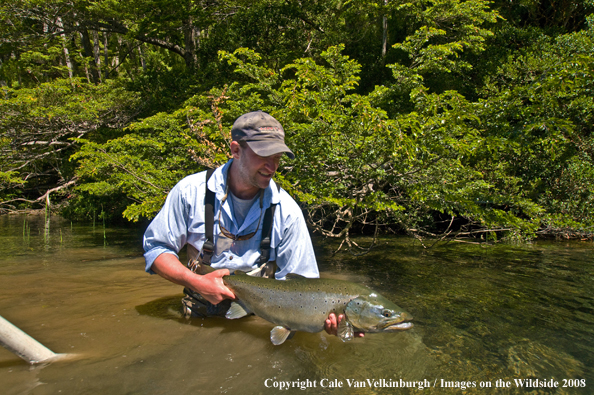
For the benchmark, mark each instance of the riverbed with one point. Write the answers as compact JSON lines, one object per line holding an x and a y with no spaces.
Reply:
{"x":496,"y":319}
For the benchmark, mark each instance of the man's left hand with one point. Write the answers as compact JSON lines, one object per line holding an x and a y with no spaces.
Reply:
{"x":331,"y":325}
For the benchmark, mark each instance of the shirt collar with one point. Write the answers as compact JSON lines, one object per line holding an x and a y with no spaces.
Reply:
{"x":218,"y":182}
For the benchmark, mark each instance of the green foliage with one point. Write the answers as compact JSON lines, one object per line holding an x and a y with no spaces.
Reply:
{"x":541,"y":104}
{"x":553,"y":15}
{"x":354,"y":165}
{"x":145,"y":163}
{"x":39,"y":127}
{"x":445,"y":29}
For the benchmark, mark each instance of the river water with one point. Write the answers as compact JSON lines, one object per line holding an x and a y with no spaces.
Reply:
{"x":488,"y":319}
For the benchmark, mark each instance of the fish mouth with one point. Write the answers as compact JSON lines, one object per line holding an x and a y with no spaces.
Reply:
{"x":402,"y":326}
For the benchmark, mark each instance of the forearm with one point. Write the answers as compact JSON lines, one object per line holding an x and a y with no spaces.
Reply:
{"x":170,"y":268}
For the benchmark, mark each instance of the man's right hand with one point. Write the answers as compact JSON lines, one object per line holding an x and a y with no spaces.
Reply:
{"x":210,"y":285}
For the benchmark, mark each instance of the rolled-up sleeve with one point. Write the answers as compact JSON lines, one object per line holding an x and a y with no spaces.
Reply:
{"x":168,"y":231}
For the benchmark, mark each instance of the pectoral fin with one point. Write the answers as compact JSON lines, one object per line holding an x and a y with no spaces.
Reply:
{"x":279,"y":334}
{"x":345,"y":330}
{"x":237,"y":311}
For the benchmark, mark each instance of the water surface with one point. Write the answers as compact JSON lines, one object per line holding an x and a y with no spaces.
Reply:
{"x":482,"y":314}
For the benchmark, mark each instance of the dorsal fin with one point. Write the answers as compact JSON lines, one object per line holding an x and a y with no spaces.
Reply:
{"x":294,"y":276}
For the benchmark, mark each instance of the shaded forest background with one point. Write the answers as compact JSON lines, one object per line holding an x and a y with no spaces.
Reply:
{"x":436,"y":118}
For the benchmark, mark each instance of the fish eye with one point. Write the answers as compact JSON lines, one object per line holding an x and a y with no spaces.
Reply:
{"x":387,"y":313}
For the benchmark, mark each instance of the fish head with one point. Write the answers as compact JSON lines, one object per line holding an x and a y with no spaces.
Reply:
{"x":374,"y":313}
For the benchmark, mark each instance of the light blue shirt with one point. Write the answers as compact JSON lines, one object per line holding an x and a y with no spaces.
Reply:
{"x":181,"y":221}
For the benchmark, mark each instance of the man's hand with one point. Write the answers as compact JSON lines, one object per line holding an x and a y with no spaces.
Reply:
{"x":331,"y":325}
{"x":210,"y":285}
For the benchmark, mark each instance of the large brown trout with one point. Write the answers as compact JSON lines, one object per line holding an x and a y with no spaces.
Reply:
{"x":303,"y":304}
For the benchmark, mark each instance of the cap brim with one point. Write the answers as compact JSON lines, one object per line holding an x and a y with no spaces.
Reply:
{"x":268,"y":148}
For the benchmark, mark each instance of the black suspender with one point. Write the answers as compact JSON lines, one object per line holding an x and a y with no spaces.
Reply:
{"x":266,"y":232}
{"x":209,"y":200}
{"x":208,"y":247}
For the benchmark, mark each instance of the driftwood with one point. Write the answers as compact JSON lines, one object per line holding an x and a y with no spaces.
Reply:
{"x":23,"y":345}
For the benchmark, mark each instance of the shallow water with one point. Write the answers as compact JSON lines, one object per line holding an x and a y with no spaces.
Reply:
{"x":482,"y":315}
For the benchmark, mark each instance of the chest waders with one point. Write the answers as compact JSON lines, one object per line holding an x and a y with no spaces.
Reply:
{"x":194,"y":305}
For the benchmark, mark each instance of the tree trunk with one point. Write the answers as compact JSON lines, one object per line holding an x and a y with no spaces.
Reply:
{"x":65,"y":47}
{"x":116,"y":59}
{"x":97,"y":53}
{"x":142,"y":61}
{"x":106,"y":54}
{"x":86,"y":67}
{"x":190,"y":40}
{"x":385,"y":31}
{"x":92,"y":66}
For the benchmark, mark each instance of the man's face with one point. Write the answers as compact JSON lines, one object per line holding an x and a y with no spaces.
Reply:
{"x":255,"y":170}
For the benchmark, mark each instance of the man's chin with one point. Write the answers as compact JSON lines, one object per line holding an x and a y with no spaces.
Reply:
{"x":263,"y":181}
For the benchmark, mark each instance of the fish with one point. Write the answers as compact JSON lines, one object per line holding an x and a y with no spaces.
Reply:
{"x":303,"y":304}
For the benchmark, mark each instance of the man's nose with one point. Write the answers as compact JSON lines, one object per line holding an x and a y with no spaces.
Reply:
{"x":271,"y":164}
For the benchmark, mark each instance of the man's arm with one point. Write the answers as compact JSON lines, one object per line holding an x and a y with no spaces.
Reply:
{"x":210,"y":285}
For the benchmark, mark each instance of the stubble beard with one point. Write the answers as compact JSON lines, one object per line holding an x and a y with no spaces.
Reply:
{"x":252,"y":179}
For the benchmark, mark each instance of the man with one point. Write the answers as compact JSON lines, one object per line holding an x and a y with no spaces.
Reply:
{"x":243,"y":189}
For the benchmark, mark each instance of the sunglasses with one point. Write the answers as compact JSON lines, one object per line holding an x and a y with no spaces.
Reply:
{"x":230,"y":235}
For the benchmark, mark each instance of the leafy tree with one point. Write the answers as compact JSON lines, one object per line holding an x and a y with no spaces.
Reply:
{"x":144,"y":164}
{"x":553,"y":15}
{"x":39,"y":127}
{"x":541,"y":104}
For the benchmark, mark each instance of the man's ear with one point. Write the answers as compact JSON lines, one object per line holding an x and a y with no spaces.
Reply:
{"x":235,"y":149}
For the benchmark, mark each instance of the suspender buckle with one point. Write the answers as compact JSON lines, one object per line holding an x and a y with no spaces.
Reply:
{"x":207,"y":252}
{"x":208,"y":247}
{"x":265,"y":243}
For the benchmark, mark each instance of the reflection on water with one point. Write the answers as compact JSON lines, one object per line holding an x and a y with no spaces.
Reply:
{"x":482,"y":315}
